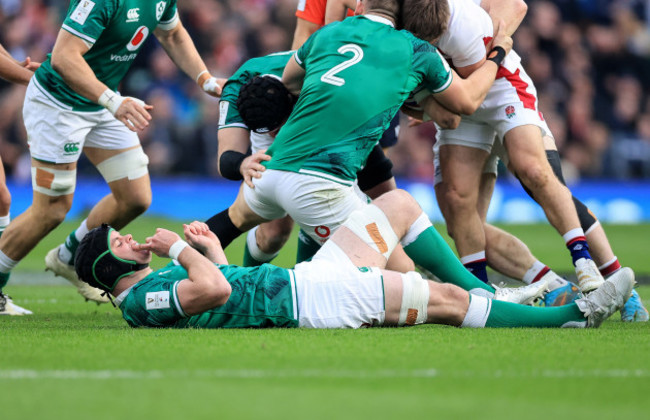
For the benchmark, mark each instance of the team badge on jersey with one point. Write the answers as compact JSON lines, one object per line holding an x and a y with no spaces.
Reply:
{"x":510,"y":111}
{"x":138,"y":38}
{"x":160,"y":9}
{"x":157,"y":300}
{"x":82,"y":11}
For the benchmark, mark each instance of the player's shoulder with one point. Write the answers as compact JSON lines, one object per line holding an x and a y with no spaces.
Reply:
{"x":418,"y":44}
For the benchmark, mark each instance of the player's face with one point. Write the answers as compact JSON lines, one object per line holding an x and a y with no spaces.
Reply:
{"x":122,"y":247}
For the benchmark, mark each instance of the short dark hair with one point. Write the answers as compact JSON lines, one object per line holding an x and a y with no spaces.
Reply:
{"x":426,"y":19}
{"x":264,"y":103}
{"x":96,"y":264}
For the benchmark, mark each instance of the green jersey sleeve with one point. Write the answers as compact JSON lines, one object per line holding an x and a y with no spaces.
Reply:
{"x":169,"y":17}
{"x":437,"y":74}
{"x":87,"y":19}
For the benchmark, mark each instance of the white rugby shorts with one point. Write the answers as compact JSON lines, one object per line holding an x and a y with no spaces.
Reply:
{"x":58,"y":134}
{"x":319,"y":206}
{"x":333,"y":293}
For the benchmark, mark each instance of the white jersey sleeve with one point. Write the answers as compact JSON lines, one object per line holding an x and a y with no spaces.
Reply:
{"x":470,"y":27}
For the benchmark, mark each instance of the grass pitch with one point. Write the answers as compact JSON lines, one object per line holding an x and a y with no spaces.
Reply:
{"x":77,"y":360}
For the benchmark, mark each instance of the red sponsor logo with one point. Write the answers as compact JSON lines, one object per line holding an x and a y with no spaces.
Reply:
{"x":138,"y":38}
{"x":322,"y":231}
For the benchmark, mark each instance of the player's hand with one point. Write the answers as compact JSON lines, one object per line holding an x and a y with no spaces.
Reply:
{"x":134,"y":113}
{"x":210,"y":84}
{"x":200,"y":237}
{"x":501,"y":39}
{"x":159,"y":243}
{"x":29,"y":64}
{"x":251,"y":167}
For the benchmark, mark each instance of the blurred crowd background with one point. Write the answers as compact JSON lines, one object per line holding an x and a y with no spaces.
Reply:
{"x":590,"y":60}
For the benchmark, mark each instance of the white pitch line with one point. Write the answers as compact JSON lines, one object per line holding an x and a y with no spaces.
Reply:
{"x":109,"y":374}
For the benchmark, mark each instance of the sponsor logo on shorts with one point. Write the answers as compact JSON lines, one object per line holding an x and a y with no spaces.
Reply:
{"x":138,"y":38}
{"x":132,"y":15}
{"x":160,"y":9}
{"x":322,"y":231}
{"x":510,"y":111}
{"x":71,"y":148}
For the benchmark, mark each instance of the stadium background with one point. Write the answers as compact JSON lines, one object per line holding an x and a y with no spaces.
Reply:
{"x":589,"y":60}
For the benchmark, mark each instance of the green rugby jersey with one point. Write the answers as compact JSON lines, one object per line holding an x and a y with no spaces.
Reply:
{"x":116,"y":29}
{"x":270,"y":64}
{"x":358,"y":73}
{"x":261,"y":297}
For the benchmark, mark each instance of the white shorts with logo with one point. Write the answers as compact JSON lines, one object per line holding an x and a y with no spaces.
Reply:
{"x":58,"y":134}
{"x":331,"y":292}
{"x":317,"y":205}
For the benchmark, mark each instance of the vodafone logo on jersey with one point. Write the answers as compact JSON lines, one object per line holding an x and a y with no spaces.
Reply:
{"x":138,"y":38}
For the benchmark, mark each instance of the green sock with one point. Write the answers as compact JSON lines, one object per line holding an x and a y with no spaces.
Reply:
{"x":71,"y":244}
{"x":506,"y":314}
{"x":4,"y":279}
{"x":307,"y":247}
{"x":430,"y":251}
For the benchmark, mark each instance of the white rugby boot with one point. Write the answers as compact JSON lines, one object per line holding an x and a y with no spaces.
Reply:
{"x":59,"y":268}
{"x":8,"y":307}
{"x":524,"y":295}
{"x":589,"y":278}
{"x":608,"y":298}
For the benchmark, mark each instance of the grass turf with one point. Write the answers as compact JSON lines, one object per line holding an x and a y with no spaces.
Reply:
{"x":76,"y":360}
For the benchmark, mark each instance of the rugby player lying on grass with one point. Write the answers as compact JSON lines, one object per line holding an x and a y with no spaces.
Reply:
{"x":344,"y":286}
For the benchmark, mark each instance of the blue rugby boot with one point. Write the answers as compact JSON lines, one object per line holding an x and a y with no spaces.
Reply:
{"x":563,"y":295}
{"x":634,"y":311}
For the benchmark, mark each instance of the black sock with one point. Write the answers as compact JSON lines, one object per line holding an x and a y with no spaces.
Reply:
{"x":223,"y":227}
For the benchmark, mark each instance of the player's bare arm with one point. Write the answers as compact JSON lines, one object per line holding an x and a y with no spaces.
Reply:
{"x":13,"y":71}
{"x":181,"y":49}
{"x":206,"y":287}
{"x":67,"y":60}
{"x":200,"y":237}
{"x":512,"y":12}
{"x":304,"y":29}
{"x":293,"y":77}
{"x":336,"y":10}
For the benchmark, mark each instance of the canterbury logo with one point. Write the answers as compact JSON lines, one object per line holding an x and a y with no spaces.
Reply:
{"x":71,"y":147}
{"x":132,"y":15}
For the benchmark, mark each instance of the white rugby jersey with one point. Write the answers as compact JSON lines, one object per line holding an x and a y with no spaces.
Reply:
{"x":470,"y":29}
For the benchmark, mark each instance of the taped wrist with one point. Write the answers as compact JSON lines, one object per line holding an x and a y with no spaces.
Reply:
{"x":230,"y":163}
{"x":176,"y":249}
{"x":110,"y":100}
{"x":497,"y":54}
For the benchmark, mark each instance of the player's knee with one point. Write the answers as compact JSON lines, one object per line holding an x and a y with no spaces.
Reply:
{"x":135,"y":203}
{"x":130,"y":164}
{"x":399,"y":206}
{"x":536,"y":175}
{"x":458,"y":198}
{"x":272,"y":240}
{"x":5,"y":200}
{"x":51,"y":216}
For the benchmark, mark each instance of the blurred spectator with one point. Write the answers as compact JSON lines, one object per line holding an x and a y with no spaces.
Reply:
{"x":588,"y":58}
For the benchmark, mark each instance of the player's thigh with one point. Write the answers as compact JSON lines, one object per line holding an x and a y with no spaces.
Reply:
{"x":55,"y":133}
{"x":271,"y":231}
{"x":524,"y":146}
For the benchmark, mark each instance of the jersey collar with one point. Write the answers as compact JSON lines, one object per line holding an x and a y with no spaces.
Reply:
{"x":379,"y":19}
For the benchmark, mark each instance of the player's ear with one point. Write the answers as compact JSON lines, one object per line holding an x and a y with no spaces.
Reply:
{"x":360,"y":8}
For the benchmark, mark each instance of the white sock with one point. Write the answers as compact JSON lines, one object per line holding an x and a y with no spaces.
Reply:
{"x":421,"y":224}
{"x":533,"y":271}
{"x":4,"y":222}
{"x":6,"y":263}
{"x":65,"y":254}
{"x":478,"y":312}
{"x":255,"y":250}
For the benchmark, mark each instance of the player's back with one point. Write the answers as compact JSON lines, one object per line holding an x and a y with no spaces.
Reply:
{"x":358,"y":73}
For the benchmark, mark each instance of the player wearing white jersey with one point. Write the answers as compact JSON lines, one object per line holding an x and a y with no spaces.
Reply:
{"x":510,"y":112}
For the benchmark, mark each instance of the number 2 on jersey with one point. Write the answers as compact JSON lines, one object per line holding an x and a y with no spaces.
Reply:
{"x":357,"y":54}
